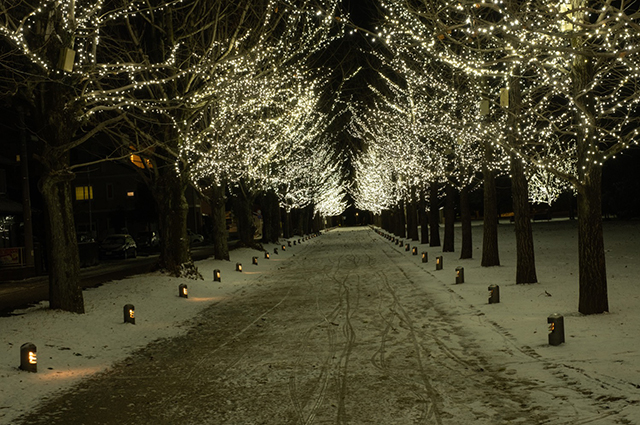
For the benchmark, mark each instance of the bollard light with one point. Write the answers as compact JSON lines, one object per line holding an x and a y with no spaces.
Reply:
{"x":289,"y":243}
{"x":128,"y":312}
{"x":299,"y":242}
{"x":556,"y":329}
{"x":494,"y":294}
{"x":182,"y":291}
{"x":425,"y":257}
{"x":238,"y":267}
{"x":255,"y":261}
{"x":284,"y":248}
{"x":28,"y":357}
{"x":275,"y":251}
{"x":294,"y":243}
{"x":216,"y":275}
{"x":266,"y":255}
{"x":459,"y":274}
{"x":414,"y":250}
{"x":439,"y":262}
{"x":407,"y":247}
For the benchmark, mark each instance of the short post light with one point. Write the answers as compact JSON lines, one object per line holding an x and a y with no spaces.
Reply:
{"x":275,"y":251}
{"x":459,"y":274}
{"x":439,"y":262}
{"x":556,"y":329}
{"x":284,"y":247}
{"x":407,"y":247}
{"x":254,"y":261}
{"x":28,"y":357}
{"x":414,"y":250}
{"x":494,"y":294}
{"x":216,"y":275}
{"x":238,"y":267}
{"x":425,"y":257}
{"x":182,"y":291}
{"x":400,"y":242}
{"x":266,"y":255}
{"x":129,"y":313}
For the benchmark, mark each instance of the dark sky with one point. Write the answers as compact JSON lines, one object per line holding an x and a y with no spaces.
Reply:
{"x":363,"y":12}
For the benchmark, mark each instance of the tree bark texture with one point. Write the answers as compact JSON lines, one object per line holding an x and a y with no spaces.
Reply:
{"x":490,"y":255}
{"x":219,"y":219}
{"x":243,"y":210}
{"x":65,"y":292}
{"x":169,"y":193}
{"x":412,"y":221}
{"x":593,"y":297}
{"x":424,"y":219}
{"x":465,"y":218}
{"x":275,"y":227}
{"x":525,"y":254}
{"x":449,"y":218}
{"x":287,"y":223}
{"x":434,"y":215}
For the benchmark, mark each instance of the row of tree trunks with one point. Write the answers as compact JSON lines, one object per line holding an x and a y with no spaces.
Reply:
{"x":412,"y":218}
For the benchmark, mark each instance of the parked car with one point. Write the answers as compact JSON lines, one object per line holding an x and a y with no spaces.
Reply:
{"x":121,"y":245}
{"x":147,"y":240}
{"x":195,"y":238}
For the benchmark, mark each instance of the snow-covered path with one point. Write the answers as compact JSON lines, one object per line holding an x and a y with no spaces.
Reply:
{"x":350,"y":330}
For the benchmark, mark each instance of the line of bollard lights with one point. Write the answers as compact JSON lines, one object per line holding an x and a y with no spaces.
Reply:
{"x":28,"y":351}
{"x":555,"y":320}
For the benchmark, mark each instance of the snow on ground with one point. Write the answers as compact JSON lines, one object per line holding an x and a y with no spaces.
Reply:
{"x":603,"y":347}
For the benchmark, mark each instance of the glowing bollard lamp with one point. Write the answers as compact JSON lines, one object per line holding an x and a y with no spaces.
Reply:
{"x":129,"y":313}
{"x":425,"y":257}
{"x":439,"y":262}
{"x":238,"y":267}
{"x":28,"y":357}
{"x":414,"y":251}
{"x":266,"y":255}
{"x":254,"y":261}
{"x":284,"y":248}
{"x":182,"y":291}
{"x":459,"y":274}
{"x":407,"y":247}
{"x":494,"y":294}
{"x":216,"y":275}
{"x":556,"y":329}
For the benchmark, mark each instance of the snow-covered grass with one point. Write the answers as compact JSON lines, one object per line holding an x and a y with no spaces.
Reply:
{"x":607,"y":347}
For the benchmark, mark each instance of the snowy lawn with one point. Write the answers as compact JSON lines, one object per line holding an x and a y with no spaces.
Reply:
{"x":604,"y":347}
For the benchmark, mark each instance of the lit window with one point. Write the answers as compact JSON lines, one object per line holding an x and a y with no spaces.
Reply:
{"x":84,"y":193}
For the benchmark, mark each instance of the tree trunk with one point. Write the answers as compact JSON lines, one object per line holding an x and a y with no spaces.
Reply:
{"x":169,"y":192}
{"x":465,"y":218}
{"x":243,"y":210}
{"x":525,"y":254}
{"x":424,"y":219}
{"x":65,"y":292}
{"x":287,"y":223}
{"x":270,"y":217}
{"x":219,"y":219}
{"x":449,"y":218}
{"x":412,"y":220}
{"x":434,"y":215}
{"x":490,"y":256}
{"x":593,"y":297}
